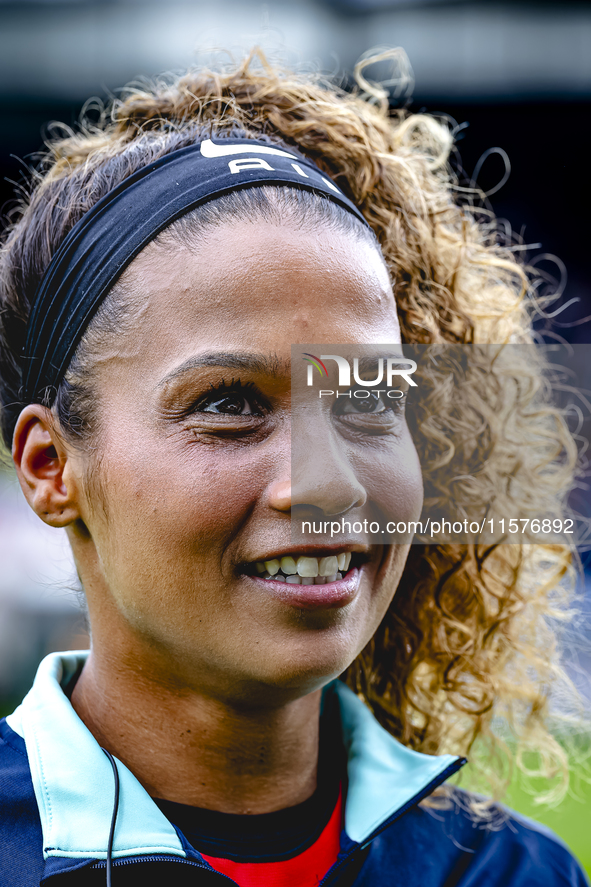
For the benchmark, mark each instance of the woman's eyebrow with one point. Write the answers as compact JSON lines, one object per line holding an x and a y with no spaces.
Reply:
{"x":262,"y":364}
{"x":369,"y":362}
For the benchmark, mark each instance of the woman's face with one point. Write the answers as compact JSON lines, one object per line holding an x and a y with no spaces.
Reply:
{"x":195,"y":460}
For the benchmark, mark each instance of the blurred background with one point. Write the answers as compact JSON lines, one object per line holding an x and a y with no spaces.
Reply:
{"x":513,"y":76}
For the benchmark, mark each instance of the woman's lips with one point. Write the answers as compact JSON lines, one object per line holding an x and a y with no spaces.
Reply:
{"x":313,"y":597}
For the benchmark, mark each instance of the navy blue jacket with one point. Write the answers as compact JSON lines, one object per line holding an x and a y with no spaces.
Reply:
{"x":56,"y":803}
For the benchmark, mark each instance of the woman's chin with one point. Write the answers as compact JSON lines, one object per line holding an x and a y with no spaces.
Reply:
{"x":295,"y":673}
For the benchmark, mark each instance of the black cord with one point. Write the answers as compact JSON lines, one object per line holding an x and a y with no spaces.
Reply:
{"x":113,"y":818}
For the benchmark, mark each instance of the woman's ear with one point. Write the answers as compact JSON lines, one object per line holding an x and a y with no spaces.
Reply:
{"x":44,"y":467}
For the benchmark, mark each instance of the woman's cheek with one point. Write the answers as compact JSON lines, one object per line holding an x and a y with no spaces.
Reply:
{"x":395,"y":482}
{"x":166,"y":524}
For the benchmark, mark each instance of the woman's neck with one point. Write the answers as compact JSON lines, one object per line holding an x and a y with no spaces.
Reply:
{"x":187,"y":747}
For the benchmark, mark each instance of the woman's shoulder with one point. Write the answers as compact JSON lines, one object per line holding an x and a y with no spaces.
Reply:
{"x":451,"y":847}
{"x":427,"y":846}
{"x":21,"y":843}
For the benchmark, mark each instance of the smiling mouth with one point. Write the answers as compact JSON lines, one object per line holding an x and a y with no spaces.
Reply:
{"x":305,"y":569}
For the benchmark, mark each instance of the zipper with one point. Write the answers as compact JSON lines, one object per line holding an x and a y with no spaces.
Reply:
{"x":131,"y":860}
{"x":345,"y":861}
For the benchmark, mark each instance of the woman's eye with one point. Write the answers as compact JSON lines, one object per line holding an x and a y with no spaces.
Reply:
{"x":235,"y":399}
{"x":371,"y":404}
{"x":233,"y":404}
{"x":382,"y":403}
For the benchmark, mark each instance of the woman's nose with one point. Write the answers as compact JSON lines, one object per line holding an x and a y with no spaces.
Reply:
{"x":279,"y":495}
{"x":324,"y":481}
{"x":328,"y":482}
{"x":317,"y":469}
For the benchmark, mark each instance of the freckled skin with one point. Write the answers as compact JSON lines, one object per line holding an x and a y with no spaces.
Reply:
{"x":193,"y":670}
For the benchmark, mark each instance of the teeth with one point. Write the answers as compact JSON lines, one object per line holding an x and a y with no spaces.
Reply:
{"x":308,"y":566}
{"x":288,"y":565}
{"x":293,"y":580}
{"x":328,"y":565}
{"x":320,"y":570}
{"x":272,"y":566}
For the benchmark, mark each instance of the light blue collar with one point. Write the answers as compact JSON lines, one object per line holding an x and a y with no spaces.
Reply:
{"x":73,"y":779}
{"x":383,"y":775}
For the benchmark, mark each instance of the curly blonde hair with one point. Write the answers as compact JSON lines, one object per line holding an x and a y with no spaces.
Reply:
{"x":469,"y":642}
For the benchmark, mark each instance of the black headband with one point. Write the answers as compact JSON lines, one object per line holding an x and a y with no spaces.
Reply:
{"x":106,"y":239}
